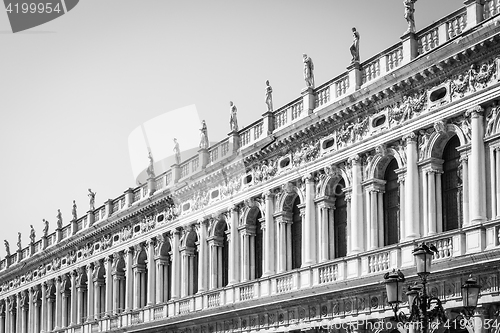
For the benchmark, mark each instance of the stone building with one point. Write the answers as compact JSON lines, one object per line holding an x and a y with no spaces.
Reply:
{"x":291,"y":222}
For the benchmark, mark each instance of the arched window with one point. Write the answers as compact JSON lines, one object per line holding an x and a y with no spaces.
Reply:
{"x":340,"y":221}
{"x":391,"y":204}
{"x":296,"y":235}
{"x":452,"y":186}
{"x":140,"y":277}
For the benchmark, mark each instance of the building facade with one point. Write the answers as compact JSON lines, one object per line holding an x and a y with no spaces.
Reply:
{"x":291,"y":222}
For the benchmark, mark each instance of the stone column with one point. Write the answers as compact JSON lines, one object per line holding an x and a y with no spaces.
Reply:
{"x":90,"y":291}
{"x":281,"y":244}
{"x":23,"y":313}
{"x":80,"y":289}
{"x":44,"y":307}
{"x":497,"y":181}
{"x":493,"y":181}
{"x":402,"y":206}
{"x":50,"y":308}
{"x":269,"y":266}
{"x":64,"y":308}
{"x":175,"y":265}
{"x":30,"y":316}
{"x":478,"y":180}
{"x":234,"y":254}
{"x":116,"y":293}
{"x":323,"y":254}
{"x":151,"y":273}
{"x":309,"y":238}
{"x":245,"y":262}
{"x":412,"y":217}
{"x":202,"y":256}
{"x":58,"y":283}
{"x":184,"y":272}
{"x":2,"y":323}
{"x":356,"y":222}
{"x":161,"y":279}
{"x":129,"y":253}
{"x":74,"y":300}
{"x":108,"y":266}
{"x":431,"y":204}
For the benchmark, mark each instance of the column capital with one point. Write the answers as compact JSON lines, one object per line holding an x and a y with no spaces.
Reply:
{"x":308,"y":179}
{"x":410,"y":137}
{"x":475,"y":112}
{"x":268,"y":195}
{"x":354,"y":160}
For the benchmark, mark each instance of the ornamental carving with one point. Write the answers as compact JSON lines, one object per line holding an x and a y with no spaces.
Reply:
{"x":410,"y":107}
{"x":106,"y":242}
{"x":147,"y":223}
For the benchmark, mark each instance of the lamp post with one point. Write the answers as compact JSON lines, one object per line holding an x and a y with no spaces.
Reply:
{"x":425,"y":309}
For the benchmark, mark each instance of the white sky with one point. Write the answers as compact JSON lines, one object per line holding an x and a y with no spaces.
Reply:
{"x":73,"y":89}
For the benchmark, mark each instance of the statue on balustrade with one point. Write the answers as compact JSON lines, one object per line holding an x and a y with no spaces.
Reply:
{"x":233,"y":120}
{"x":269,"y":97}
{"x":73,"y":211}
{"x":59,"y":219}
{"x":32,"y":235}
{"x":92,"y":199}
{"x":19,"y":246}
{"x":7,"y":248}
{"x":409,"y":14}
{"x":177,"y":152}
{"x":45,"y":228}
{"x":354,"y":46}
{"x":308,"y":71}
{"x":204,"y":136}
{"x":150,"y":170}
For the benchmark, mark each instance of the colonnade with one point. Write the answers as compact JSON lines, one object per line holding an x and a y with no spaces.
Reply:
{"x":196,"y":259}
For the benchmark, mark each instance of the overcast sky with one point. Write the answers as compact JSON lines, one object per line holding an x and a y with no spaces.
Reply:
{"x":73,"y":89}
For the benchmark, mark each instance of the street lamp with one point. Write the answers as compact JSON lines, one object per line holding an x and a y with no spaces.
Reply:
{"x":425,"y":309}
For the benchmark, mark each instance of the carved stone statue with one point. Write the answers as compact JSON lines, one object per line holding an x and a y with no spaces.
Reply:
{"x":59,"y":219}
{"x":491,"y":120}
{"x":45,"y":227}
{"x":150,"y":170}
{"x":32,"y":234}
{"x":269,"y":96}
{"x":204,"y":136}
{"x":354,"y":46}
{"x":177,"y":152}
{"x":7,"y":248}
{"x":91,"y":196}
{"x":233,"y":120}
{"x":73,"y":211}
{"x":308,"y":71}
{"x":19,"y":246}
{"x":409,"y":14}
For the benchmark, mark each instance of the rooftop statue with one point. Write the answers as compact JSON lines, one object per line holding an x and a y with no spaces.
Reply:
{"x":19,"y":246}
{"x":409,"y":14}
{"x":204,"y":136}
{"x":308,"y":71}
{"x":73,"y":211}
{"x":269,"y":96}
{"x":233,"y":120}
{"x":354,"y":46}
{"x":177,"y":152}
{"x":59,"y":219}
{"x":7,"y":248}
{"x":92,"y":199}
{"x":150,"y":170}
{"x":45,"y":227}
{"x":32,"y":234}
